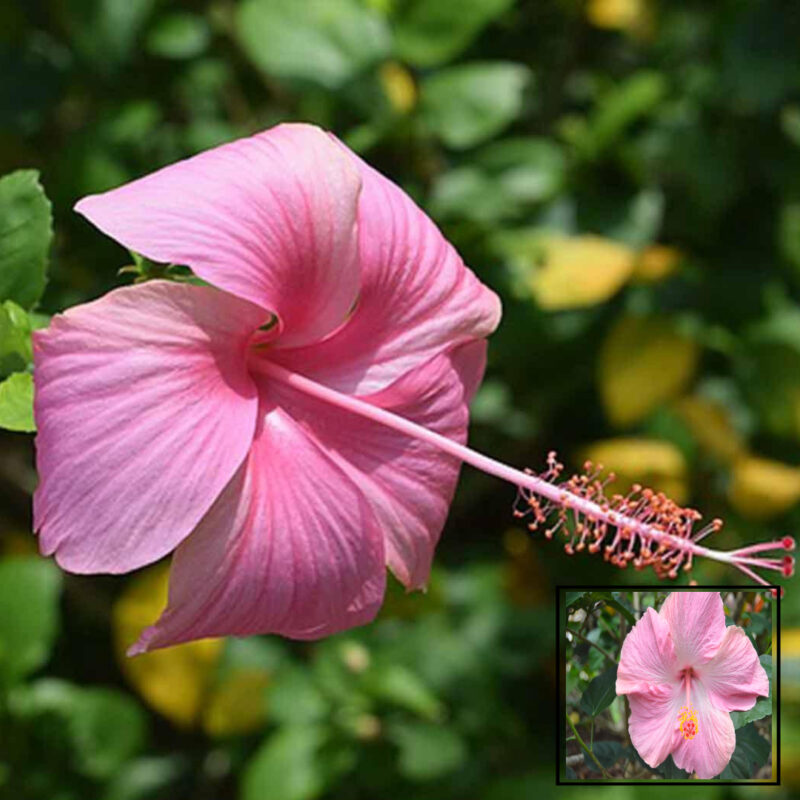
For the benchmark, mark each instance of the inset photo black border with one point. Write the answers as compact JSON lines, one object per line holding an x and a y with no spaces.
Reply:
{"x":561,"y":704}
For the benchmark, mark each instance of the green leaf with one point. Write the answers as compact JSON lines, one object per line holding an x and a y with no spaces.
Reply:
{"x":607,"y":753}
{"x":26,"y":229}
{"x":144,"y":778}
{"x":16,"y":403}
{"x":614,"y":603}
{"x":600,"y":692}
{"x":751,"y":753}
{"x":108,"y":728}
{"x":395,"y":684}
{"x":327,"y":42}
{"x":16,"y":352}
{"x":294,"y":697}
{"x":179,"y":35}
{"x":287,"y":766}
{"x":669,"y":771}
{"x":428,"y":33}
{"x":573,"y":597}
{"x":427,"y":751}
{"x":29,"y":592}
{"x":763,"y":706}
{"x":467,"y":104}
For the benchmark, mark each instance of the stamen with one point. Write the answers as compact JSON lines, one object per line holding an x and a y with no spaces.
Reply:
{"x":687,"y":722}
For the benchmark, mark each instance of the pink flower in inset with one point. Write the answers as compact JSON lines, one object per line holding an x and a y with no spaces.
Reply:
{"x":213,"y":420}
{"x":684,"y":672}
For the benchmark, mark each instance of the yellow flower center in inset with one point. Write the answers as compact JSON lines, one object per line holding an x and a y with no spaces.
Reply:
{"x":687,"y":721}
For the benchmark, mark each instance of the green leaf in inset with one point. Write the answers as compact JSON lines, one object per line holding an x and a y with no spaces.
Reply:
{"x":16,"y":352}
{"x":287,"y":766}
{"x":29,"y":591}
{"x":763,"y":706}
{"x":669,"y":771}
{"x":327,"y":42}
{"x":26,"y":229}
{"x":607,"y":753}
{"x":427,"y":751}
{"x":751,"y":753}
{"x":179,"y":35}
{"x":573,"y":597}
{"x":16,"y":403}
{"x":467,"y":104}
{"x":600,"y":692}
{"x":428,"y":33}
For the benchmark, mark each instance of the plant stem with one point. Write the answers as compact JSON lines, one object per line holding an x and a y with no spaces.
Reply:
{"x":593,"y":644}
{"x":586,"y":749}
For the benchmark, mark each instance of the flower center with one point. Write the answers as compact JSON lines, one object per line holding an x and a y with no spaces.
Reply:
{"x":687,"y":722}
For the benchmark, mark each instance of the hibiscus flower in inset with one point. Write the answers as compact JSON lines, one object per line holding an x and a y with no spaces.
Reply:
{"x":684,"y":671}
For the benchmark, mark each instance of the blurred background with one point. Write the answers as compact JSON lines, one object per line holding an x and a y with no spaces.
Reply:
{"x":624,"y":173}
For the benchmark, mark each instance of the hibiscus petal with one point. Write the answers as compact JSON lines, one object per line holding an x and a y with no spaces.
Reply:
{"x":653,"y":723}
{"x":697,"y":624}
{"x":271,"y":218}
{"x":734,"y":677}
{"x":647,"y":661}
{"x":290,"y":547}
{"x":417,"y":298}
{"x":144,"y":411}
{"x":408,"y":483}
{"x":709,"y":752}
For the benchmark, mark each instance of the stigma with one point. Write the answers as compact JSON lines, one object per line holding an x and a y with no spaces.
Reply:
{"x":687,"y":722}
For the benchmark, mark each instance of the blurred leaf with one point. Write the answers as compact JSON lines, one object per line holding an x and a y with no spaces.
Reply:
{"x":428,"y":33}
{"x":108,"y":728}
{"x":656,"y":263}
{"x":16,"y":403}
{"x":323,"y":41}
{"x":237,"y":704}
{"x":751,"y":753}
{"x":179,"y":35}
{"x":643,"y":362}
{"x":16,"y":352}
{"x":26,"y":230}
{"x":427,"y":751}
{"x":573,"y":597}
{"x":761,"y":488}
{"x":29,"y":593}
{"x":395,"y":684}
{"x":399,"y":86}
{"x":143,"y":778}
{"x":600,"y":692}
{"x":469,"y":103}
{"x":287,"y":766}
{"x":711,"y":426}
{"x":294,"y":697}
{"x":176,"y":680}
{"x":568,"y":272}
{"x":789,"y":234}
{"x":655,"y":464}
{"x":626,"y":15}
{"x":614,"y":603}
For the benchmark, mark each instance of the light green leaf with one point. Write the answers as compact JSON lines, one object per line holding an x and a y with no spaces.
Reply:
{"x":428,"y":33}
{"x":324,"y":41}
{"x":179,"y":35}
{"x":468,"y":104}
{"x":16,"y":403}
{"x":15,"y":339}
{"x":26,"y":229}
{"x":396,"y":684}
{"x":29,"y":591}
{"x":600,"y":692}
{"x":427,"y":751}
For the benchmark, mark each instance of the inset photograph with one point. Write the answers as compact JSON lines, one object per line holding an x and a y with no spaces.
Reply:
{"x":668,"y":686}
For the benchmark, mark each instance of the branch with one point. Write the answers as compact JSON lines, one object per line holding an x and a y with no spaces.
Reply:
{"x":586,"y":749}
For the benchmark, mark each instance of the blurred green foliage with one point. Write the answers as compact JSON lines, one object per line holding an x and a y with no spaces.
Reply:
{"x":625,"y":173}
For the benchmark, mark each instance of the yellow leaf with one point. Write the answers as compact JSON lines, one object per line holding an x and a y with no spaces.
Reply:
{"x":399,"y":87}
{"x":627,"y":15}
{"x":762,"y":488}
{"x":643,"y":362}
{"x":652,"y":463}
{"x":174,"y":681}
{"x":579,"y":271}
{"x":238,"y":704}
{"x":656,"y":263}
{"x":711,"y":427}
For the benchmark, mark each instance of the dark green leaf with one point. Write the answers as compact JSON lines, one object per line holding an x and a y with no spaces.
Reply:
{"x":179,"y":35}
{"x":607,"y":753}
{"x":29,"y":592}
{"x":600,"y":692}
{"x":26,"y":229}
{"x":669,"y":771}
{"x":751,"y":753}
{"x":763,"y":706}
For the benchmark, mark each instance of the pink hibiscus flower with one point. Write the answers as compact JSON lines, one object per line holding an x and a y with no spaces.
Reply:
{"x":684,"y":672}
{"x":297,"y":425}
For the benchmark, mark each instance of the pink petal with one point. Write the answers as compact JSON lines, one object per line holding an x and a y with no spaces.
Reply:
{"x":270,"y":219}
{"x":647,"y":661}
{"x":290,"y":547}
{"x":417,"y":298}
{"x":709,"y":752}
{"x":408,"y":483}
{"x":653,"y":723}
{"x":145,"y":410}
{"x":697,"y":624}
{"x":734,"y":677}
